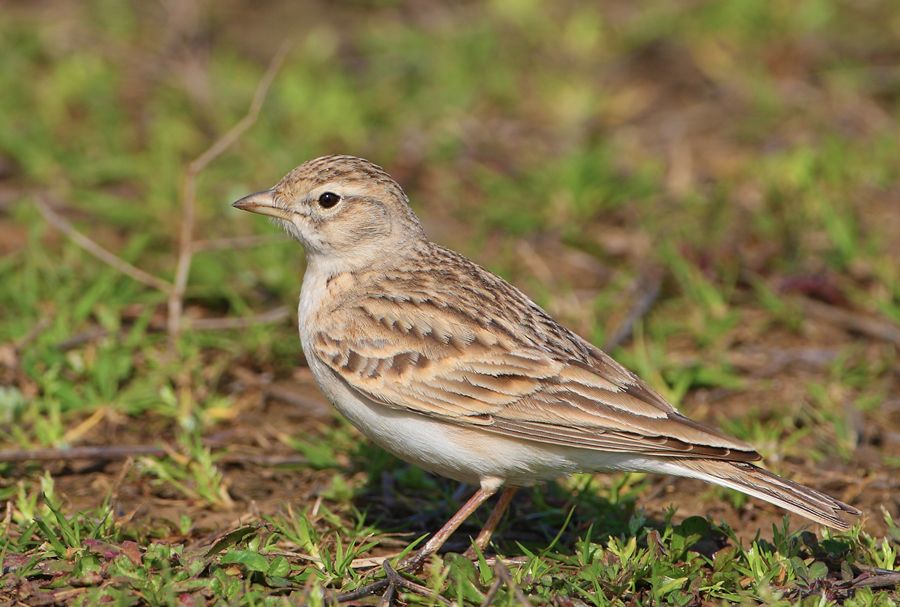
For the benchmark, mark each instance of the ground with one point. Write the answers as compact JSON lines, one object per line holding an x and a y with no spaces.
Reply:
{"x":710,"y":189}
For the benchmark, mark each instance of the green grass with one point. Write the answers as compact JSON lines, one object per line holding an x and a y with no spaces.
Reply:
{"x":745,"y":151}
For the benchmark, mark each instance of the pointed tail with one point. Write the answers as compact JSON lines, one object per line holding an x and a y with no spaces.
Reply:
{"x":760,"y":483}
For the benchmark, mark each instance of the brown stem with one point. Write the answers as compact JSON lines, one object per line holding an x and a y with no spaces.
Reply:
{"x":102,"y":453}
{"x":116,"y":452}
{"x":234,"y":242}
{"x":216,"y":324}
{"x":503,"y":574}
{"x":647,"y":292}
{"x":189,"y":191}
{"x":853,"y":321}
{"x":111,"y":259}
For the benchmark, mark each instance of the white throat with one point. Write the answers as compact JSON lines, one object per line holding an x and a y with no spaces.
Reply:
{"x":315,"y":283}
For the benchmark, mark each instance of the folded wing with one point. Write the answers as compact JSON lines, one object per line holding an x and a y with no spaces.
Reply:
{"x":445,"y":359}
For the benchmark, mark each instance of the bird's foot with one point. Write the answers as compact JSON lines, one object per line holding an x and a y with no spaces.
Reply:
{"x":393,"y":582}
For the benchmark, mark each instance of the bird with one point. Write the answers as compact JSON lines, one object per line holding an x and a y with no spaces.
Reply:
{"x":452,"y":368}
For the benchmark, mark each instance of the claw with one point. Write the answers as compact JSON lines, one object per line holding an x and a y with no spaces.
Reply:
{"x":392,"y":582}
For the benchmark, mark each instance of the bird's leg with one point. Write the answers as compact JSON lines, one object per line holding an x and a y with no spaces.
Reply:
{"x":484,"y":536}
{"x":415,"y":561}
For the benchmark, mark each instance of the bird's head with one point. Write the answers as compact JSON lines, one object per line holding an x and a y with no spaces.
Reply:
{"x":341,"y":208}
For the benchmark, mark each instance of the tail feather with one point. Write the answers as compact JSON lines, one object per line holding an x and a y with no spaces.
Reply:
{"x":760,"y":483}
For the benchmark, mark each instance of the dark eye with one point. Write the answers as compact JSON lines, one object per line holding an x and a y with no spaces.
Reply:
{"x":328,"y":200}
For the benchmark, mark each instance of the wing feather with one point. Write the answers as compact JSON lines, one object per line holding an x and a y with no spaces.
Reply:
{"x":450,"y":359}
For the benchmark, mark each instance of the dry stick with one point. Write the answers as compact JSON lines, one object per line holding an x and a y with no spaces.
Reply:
{"x":175,"y":290}
{"x":7,"y":518}
{"x":86,"y":336}
{"x":235,"y":242}
{"x":33,"y":333}
{"x":99,"y":252}
{"x":853,"y":321}
{"x":503,"y":574}
{"x":189,"y":190}
{"x":215,"y":324}
{"x":103,"y":453}
{"x":262,"y":460}
{"x":648,"y":289}
{"x":116,"y":452}
{"x":395,"y":580}
{"x":874,"y":570}
{"x":387,"y":599}
{"x":492,"y":592}
{"x":120,"y":479}
{"x":879,"y":581}
{"x":311,"y":406}
{"x":272,"y":316}
{"x":359,"y":593}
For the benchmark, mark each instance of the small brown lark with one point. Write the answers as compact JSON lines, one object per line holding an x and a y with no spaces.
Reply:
{"x":451,"y":368}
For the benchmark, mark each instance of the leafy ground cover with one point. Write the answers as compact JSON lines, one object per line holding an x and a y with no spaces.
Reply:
{"x":711,"y":188}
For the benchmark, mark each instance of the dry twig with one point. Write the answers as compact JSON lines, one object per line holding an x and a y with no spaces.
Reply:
{"x":647,"y":291}
{"x":235,"y":242}
{"x":111,"y":259}
{"x":504,"y":574}
{"x":399,"y":580}
{"x":491,"y":594}
{"x":307,"y":401}
{"x":217,"y":324}
{"x":189,"y":190}
{"x":275,"y":315}
{"x":186,"y":246}
{"x":853,"y":321}
{"x":885,"y":580}
{"x":33,"y":333}
{"x":101,"y":453}
{"x":116,"y":452}
{"x":359,"y":593}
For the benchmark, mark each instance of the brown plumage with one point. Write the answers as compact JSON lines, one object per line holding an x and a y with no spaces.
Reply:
{"x":507,"y":367}
{"x":452,"y":368}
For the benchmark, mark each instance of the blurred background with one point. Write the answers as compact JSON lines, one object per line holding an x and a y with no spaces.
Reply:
{"x":709,"y":188}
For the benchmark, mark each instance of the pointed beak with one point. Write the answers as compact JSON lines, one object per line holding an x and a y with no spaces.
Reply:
{"x":262,"y":203}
